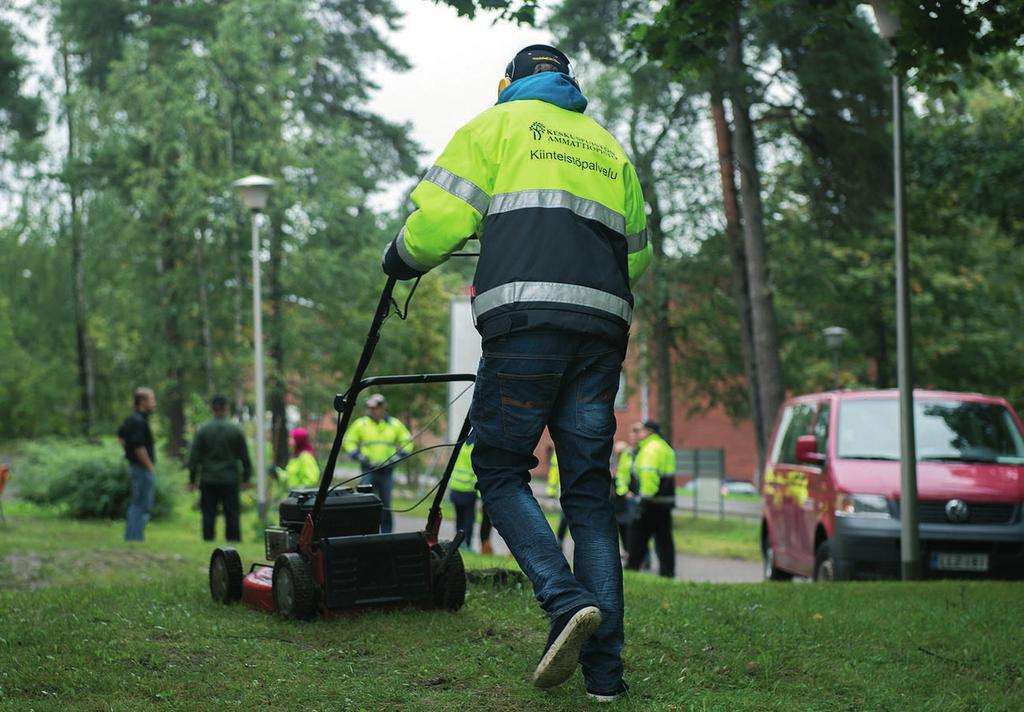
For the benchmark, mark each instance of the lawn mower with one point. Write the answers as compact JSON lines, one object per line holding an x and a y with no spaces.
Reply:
{"x":328,"y":555}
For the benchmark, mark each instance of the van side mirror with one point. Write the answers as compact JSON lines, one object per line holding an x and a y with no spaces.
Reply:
{"x":807,"y":450}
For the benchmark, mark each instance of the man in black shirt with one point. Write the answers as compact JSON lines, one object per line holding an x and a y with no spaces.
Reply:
{"x":137,"y":439}
{"x":219,"y":457}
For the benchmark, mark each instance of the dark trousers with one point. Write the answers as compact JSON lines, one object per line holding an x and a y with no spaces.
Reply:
{"x":465,"y":514}
{"x":226,"y":496}
{"x":655,"y":520}
{"x":567,"y":383}
{"x":563,"y":527}
{"x":485,"y":525}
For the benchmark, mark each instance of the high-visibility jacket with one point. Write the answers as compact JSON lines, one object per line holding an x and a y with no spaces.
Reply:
{"x":302,"y":471}
{"x":376,"y":440}
{"x":557,"y":207}
{"x":624,"y":473}
{"x":655,"y":466}
{"x":463,"y":478}
{"x":554,"y":478}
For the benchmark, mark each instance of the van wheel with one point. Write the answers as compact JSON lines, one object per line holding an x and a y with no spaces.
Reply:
{"x":770,"y":572}
{"x":825,"y":564}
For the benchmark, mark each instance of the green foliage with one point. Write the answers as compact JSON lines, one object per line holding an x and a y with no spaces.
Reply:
{"x":85,"y":481}
{"x":21,"y":115}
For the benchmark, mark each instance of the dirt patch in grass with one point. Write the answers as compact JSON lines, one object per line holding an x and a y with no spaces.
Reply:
{"x":31,"y":570}
{"x":24,"y":572}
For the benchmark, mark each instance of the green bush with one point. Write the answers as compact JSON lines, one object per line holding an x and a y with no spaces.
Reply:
{"x":87,"y":481}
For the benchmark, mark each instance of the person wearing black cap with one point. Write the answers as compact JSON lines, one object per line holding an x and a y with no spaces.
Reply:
{"x":655,"y":467}
{"x":559,"y":212}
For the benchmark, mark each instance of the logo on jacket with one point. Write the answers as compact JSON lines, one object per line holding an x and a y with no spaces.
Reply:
{"x":538,"y":130}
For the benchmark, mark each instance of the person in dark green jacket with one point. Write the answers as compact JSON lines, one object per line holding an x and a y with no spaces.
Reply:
{"x":219,"y":462}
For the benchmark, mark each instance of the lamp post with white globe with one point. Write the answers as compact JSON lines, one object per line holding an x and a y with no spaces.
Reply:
{"x":910,"y":553}
{"x":254,"y":191}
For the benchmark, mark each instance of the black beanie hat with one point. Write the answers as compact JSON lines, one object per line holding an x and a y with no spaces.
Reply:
{"x":525,"y":63}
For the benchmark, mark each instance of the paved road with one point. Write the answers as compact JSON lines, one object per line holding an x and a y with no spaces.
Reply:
{"x":688,"y":568}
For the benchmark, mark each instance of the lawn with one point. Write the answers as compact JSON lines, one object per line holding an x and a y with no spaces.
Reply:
{"x":91,"y":623}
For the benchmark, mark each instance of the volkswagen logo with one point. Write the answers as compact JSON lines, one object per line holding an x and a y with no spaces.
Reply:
{"x":956,"y":510}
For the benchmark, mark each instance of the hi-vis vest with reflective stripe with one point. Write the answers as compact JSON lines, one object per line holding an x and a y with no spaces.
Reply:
{"x":463,"y":478}
{"x":377,"y":441}
{"x":559,"y":212}
{"x":655,"y":466}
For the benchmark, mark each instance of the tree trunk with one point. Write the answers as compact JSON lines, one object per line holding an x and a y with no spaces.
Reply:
{"x":883,"y":379}
{"x":762,"y":310}
{"x":661,"y":338}
{"x":86,"y":371}
{"x":239,"y":322}
{"x":277,"y":390}
{"x":173,"y":401}
{"x":204,"y":312}
{"x":738,"y":262}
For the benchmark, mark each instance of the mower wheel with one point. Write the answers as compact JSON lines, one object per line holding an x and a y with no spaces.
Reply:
{"x":225,"y":576}
{"x":450,"y":584}
{"x":293,"y":588}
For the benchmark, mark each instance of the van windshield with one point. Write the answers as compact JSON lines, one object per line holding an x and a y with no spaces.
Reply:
{"x":947,"y":430}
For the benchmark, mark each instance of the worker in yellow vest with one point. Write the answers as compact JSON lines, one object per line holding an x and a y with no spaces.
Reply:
{"x":625,"y":485}
{"x":655,"y":468}
{"x":375,"y":441}
{"x":302,"y":470}
{"x":462,"y":493}
{"x":554,"y":490}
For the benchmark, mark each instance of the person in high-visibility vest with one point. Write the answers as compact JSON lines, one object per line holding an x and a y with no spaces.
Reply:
{"x":375,"y":441}
{"x":554,"y":490}
{"x":560,"y":214}
{"x":462,"y":493}
{"x":655,"y":468}
{"x":302,"y":469}
{"x":625,"y":512}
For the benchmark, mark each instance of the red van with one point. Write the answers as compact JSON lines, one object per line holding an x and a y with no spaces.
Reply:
{"x":831,"y":487}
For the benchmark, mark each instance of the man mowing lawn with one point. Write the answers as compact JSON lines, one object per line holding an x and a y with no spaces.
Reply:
{"x":560,"y":216}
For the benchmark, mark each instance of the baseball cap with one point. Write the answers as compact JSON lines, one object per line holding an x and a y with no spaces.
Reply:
{"x":375,"y":400}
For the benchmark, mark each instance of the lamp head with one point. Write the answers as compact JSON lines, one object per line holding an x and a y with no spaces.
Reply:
{"x":254,"y":191}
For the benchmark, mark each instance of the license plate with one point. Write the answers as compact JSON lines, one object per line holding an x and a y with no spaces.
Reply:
{"x":960,"y":562}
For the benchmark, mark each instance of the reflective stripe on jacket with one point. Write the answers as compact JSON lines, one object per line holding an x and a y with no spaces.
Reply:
{"x":556,"y":204}
{"x":655,"y":466}
{"x":463,"y":478}
{"x":376,"y":441}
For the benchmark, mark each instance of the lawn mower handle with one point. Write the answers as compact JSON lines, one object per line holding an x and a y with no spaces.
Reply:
{"x":383,"y":307}
{"x":345,"y":403}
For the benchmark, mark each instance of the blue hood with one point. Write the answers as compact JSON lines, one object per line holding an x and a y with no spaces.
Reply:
{"x":552,"y":87}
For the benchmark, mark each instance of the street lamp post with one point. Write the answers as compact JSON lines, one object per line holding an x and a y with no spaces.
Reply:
{"x":834,"y":340}
{"x":254,"y":191}
{"x":910,"y":552}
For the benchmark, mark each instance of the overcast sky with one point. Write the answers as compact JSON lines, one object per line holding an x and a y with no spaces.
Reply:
{"x":456,"y":66}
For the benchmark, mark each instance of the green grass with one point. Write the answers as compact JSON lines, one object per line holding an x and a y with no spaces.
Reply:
{"x":731,"y":537}
{"x":90,"y":623}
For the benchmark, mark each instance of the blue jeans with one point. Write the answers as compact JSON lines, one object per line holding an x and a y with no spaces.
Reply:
{"x":143,"y":492}
{"x":465,"y":515}
{"x":568,"y":383}
{"x":382,"y":481}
